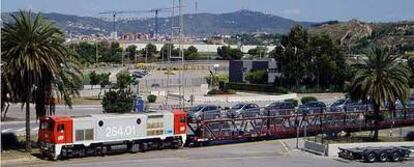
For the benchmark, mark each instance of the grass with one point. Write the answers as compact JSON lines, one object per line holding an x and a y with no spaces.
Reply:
{"x":86,"y":101}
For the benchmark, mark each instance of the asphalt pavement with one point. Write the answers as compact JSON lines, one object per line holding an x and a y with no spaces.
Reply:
{"x":256,"y":154}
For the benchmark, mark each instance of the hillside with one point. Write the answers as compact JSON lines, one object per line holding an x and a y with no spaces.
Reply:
{"x":203,"y":24}
{"x":354,"y":33}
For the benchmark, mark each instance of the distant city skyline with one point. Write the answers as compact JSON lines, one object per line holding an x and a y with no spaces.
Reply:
{"x":299,"y":10}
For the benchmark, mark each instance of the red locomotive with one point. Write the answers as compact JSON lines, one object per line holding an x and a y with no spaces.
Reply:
{"x":100,"y":134}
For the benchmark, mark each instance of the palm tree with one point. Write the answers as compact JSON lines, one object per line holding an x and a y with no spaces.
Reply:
{"x":36,"y":61}
{"x":381,"y":78}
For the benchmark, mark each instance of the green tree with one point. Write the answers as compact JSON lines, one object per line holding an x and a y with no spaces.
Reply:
{"x":165,"y":51}
{"x":124,"y":79}
{"x":93,"y":79}
{"x":291,"y":56}
{"x":227,"y":53}
{"x":150,"y":50}
{"x":131,"y":51}
{"x":36,"y":62}
{"x":116,"y":53}
{"x":381,"y":78}
{"x":191,"y":53}
{"x":103,"y":82}
{"x":325,"y":58}
{"x":410,"y":57}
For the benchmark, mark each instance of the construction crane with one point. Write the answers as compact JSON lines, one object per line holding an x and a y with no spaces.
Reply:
{"x":155,"y":11}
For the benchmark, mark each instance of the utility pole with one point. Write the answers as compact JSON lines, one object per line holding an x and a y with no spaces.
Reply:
{"x":181,"y":40}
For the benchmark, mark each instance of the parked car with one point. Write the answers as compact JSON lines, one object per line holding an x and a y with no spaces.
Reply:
{"x":279,"y":109}
{"x":244,"y":110}
{"x":312,"y":107}
{"x":347,"y":105}
{"x":139,"y":74}
{"x":204,"y":112}
{"x":409,"y":105}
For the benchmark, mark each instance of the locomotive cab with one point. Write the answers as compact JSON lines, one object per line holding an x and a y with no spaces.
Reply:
{"x":54,"y":131}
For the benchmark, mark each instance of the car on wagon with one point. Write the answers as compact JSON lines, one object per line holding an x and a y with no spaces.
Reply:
{"x":312,"y":107}
{"x":204,"y":112}
{"x":347,"y":105}
{"x":279,"y":109}
{"x":244,"y":110}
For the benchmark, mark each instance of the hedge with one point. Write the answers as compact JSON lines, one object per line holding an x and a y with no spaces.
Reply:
{"x":152,"y":98}
{"x":308,"y":99}
{"x":255,"y":87}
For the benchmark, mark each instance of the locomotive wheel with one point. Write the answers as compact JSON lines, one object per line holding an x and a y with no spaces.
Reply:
{"x":370,"y":157}
{"x":134,"y":148}
{"x":104,"y":151}
{"x":63,"y":154}
{"x":144,"y":147}
{"x":383,"y":156}
{"x":177,"y":144}
{"x":396,"y":156}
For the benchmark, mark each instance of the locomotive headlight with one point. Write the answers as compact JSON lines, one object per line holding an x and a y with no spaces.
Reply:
{"x":182,"y":128}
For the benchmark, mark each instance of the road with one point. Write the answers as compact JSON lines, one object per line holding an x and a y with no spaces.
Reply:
{"x":257,"y":154}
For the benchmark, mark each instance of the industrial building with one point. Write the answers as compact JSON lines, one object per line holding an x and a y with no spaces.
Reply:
{"x":239,"y":68}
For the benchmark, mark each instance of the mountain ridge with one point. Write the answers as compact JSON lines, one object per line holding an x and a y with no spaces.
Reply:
{"x":201,"y":24}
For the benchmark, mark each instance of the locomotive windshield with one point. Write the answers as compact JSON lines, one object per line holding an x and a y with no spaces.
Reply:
{"x":46,"y":125}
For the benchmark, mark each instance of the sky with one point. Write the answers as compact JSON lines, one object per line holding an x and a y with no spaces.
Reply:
{"x":299,"y":10}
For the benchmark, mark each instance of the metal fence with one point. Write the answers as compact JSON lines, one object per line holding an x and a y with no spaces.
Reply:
{"x":173,"y":82}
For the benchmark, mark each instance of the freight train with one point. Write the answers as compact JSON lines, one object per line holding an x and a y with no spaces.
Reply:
{"x":64,"y":137}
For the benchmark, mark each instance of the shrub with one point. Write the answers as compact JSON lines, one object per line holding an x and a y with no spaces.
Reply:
{"x":257,"y":77}
{"x":213,"y":92}
{"x":120,"y":101}
{"x":293,"y":101}
{"x":221,"y":92}
{"x":219,"y":77}
{"x":255,"y":87}
{"x":10,"y":141}
{"x":152,"y":98}
{"x":308,"y":99}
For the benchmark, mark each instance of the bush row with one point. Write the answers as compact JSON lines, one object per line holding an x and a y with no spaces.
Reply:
{"x":255,"y":87}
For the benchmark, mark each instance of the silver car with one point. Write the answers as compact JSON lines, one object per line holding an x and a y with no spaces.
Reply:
{"x":204,"y":112}
{"x":244,"y":110}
